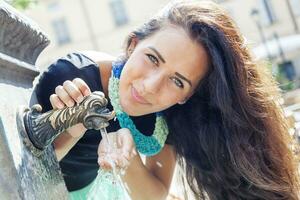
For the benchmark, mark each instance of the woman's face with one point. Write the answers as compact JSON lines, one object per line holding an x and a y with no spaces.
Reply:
{"x":162,"y":71}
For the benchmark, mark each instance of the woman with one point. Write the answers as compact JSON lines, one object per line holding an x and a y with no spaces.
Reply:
{"x":187,"y":76}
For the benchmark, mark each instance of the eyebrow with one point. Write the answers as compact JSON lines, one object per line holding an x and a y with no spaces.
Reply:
{"x":158,"y":54}
{"x":182,"y":77}
{"x":163,"y":60}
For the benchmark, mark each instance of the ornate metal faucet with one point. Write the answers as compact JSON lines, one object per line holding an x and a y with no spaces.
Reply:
{"x":40,"y":129}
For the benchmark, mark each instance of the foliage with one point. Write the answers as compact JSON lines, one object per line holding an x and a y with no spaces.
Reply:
{"x":284,"y":83}
{"x":21,"y":4}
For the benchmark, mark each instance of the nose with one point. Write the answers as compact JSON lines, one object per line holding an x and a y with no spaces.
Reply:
{"x":153,"y":83}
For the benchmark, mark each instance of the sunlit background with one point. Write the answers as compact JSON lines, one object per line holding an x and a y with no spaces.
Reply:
{"x":271,"y":28}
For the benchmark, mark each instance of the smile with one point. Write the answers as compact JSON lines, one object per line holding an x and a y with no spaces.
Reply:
{"x":135,"y":95}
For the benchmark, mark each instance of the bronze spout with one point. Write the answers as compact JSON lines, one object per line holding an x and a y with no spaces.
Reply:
{"x":40,"y":129}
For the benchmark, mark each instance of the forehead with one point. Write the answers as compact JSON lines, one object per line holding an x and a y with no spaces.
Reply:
{"x":180,"y":52}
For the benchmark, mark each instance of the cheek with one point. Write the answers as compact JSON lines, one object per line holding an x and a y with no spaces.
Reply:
{"x":168,"y":98}
{"x":134,"y":68}
{"x":131,"y":72}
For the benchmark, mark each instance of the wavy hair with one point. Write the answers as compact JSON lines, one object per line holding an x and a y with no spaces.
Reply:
{"x":232,"y":140}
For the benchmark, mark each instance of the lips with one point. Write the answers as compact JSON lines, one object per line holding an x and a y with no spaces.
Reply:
{"x":137,"y":97}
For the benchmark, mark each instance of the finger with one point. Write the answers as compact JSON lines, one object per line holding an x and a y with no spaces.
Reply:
{"x":123,"y":162}
{"x":73,"y":91}
{"x":133,"y":152}
{"x":101,"y":155}
{"x":114,"y":160}
{"x":125,"y":141}
{"x":104,"y":165}
{"x":64,"y":96}
{"x":56,"y":103}
{"x":117,"y":159}
{"x":107,"y":162}
{"x":103,"y":147}
{"x":102,"y":160}
{"x":126,"y":149}
{"x":82,"y":86}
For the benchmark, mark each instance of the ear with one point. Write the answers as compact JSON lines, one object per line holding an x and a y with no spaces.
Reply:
{"x":181,"y":102}
{"x":186,"y":99}
{"x":132,"y":45}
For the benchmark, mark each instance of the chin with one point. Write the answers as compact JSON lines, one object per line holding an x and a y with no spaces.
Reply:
{"x":129,"y":112}
{"x":133,"y":110}
{"x":127,"y":107}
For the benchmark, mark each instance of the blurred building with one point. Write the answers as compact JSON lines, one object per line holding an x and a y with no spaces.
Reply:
{"x":74,"y":25}
{"x":270,"y":26}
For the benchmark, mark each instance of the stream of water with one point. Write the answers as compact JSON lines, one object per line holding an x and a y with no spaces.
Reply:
{"x":108,"y":184}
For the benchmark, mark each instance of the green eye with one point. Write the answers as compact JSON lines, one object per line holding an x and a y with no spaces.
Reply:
{"x":177,"y":82}
{"x":153,"y":59}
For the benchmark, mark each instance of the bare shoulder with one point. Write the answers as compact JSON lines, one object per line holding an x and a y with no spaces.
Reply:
{"x":98,"y":57}
{"x":162,"y":165}
{"x":104,"y":61}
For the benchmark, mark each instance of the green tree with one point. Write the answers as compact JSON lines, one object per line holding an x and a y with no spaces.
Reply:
{"x":21,"y":4}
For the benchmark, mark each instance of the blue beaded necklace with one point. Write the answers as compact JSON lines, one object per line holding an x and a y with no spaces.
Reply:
{"x":147,"y":145}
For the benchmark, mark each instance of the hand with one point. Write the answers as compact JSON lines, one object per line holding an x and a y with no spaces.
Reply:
{"x":121,"y":150}
{"x":69,"y":93}
{"x":66,"y":95}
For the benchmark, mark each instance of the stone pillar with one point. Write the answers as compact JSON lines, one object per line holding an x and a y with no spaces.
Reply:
{"x":22,"y":175}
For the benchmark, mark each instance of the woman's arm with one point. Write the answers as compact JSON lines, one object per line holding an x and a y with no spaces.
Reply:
{"x":52,"y":91}
{"x":66,"y":95}
{"x":152,"y":180}
{"x":65,"y":141}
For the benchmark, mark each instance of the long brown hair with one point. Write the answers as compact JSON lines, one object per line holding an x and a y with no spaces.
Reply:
{"x":231,"y":137}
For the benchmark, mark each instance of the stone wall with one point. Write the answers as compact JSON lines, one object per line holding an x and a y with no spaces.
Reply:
{"x":22,"y":175}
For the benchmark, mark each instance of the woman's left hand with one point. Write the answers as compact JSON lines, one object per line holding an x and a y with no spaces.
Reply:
{"x":120,"y":151}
